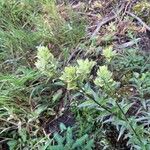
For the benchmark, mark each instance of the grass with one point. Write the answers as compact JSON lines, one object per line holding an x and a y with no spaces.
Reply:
{"x":25,"y":25}
{"x":99,"y":99}
{"x":22,"y":102}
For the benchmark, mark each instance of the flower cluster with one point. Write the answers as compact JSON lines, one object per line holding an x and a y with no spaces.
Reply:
{"x":46,"y":63}
{"x":75,"y":75}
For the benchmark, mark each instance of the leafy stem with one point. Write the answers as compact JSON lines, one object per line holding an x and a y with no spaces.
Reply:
{"x":112,"y":113}
{"x":127,"y":120}
{"x":89,"y":96}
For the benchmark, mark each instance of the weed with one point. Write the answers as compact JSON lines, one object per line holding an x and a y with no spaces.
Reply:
{"x":71,"y":95}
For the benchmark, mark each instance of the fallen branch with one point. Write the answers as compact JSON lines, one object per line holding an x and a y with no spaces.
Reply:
{"x":4,"y":141}
{"x":128,"y":44}
{"x":139,"y":20}
{"x":104,"y":21}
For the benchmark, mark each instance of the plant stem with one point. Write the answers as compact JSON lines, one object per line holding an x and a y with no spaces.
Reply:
{"x":89,"y":96}
{"x":127,"y":120}
{"x":109,"y":110}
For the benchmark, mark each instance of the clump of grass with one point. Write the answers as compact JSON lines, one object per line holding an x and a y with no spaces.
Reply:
{"x":26,"y":24}
{"x":105,"y":92}
{"x":61,"y":31}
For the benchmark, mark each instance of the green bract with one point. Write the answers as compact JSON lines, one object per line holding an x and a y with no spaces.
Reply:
{"x":69,"y":76}
{"x":104,"y":76}
{"x":46,"y":63}
{"x":75,"y":75}
{"x":84,"y":68}
{"x":109,"y":53}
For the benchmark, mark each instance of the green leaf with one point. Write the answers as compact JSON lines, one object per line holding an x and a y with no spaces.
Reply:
{"x":57,"y":95}
{"x":80,"y":141}
{"x":23,"y":134}
{"x":12,"y":144}
{"x":87,"y":103}
{"x":62,"y":127}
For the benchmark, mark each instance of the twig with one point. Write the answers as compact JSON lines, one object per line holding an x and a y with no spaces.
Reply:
{"x":76,"y":51}
{"x":128,"y":44}
{"x":87,"y":14}
{"x":139,"y":20}
{"x":104,"y":21}
{"x":73,"y":54}
{"x":1,"y":119}
{"x":101,"y":23}
{"x":125,"y":9}
{"x":4,"y":140}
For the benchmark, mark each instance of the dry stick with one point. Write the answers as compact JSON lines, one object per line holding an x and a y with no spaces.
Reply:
{"x":125,"y":10}
{"x":128,"y":44}
{"x":77,"y":50}
{"x":138,"y":19}
{"x":5,"y":140}
{"x":104,"y":21}
{"x":1,"y":119}
{"x":73,"y":54}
